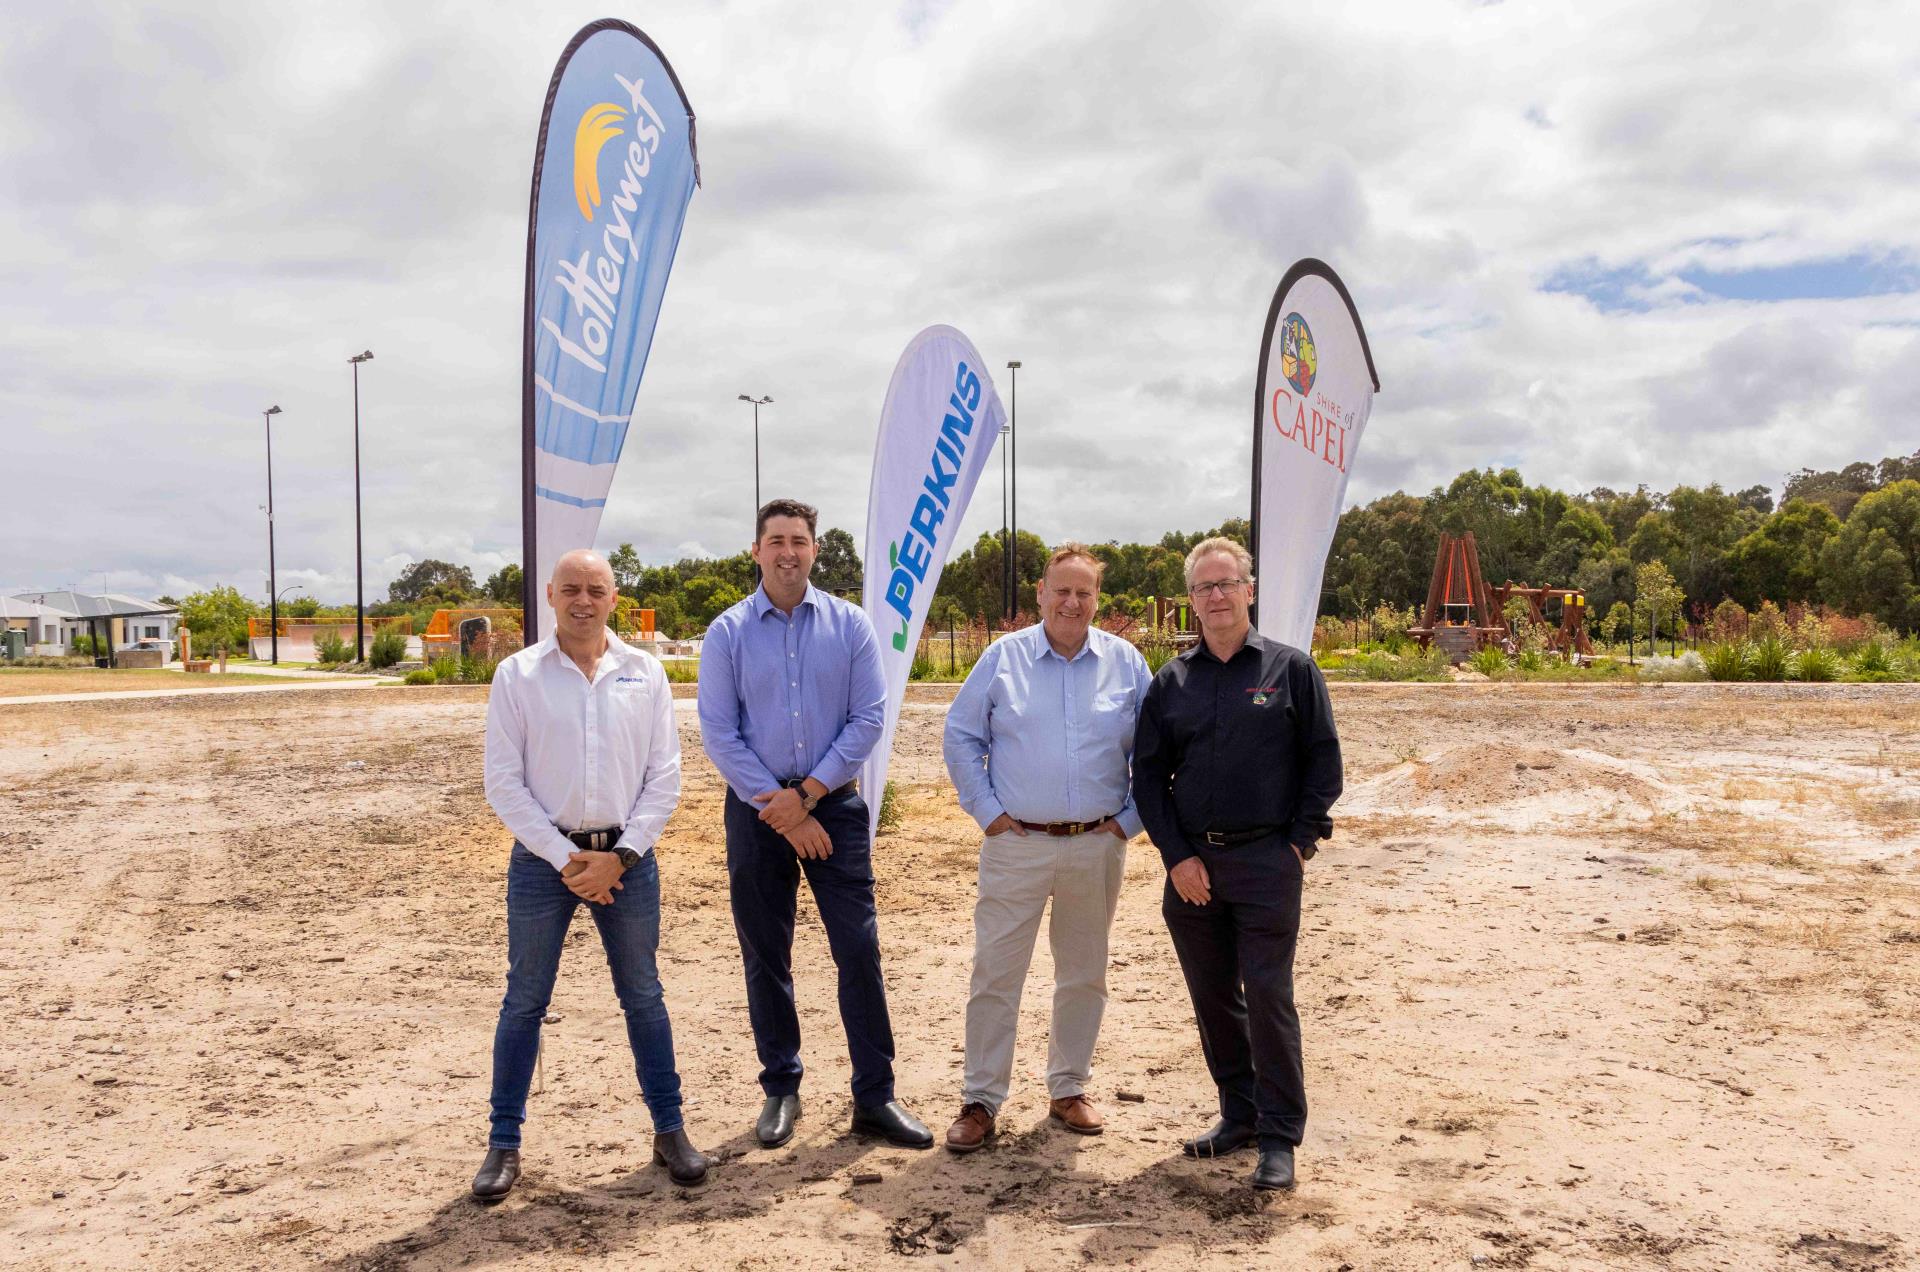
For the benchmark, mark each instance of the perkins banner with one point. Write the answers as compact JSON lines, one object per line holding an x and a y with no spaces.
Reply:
{"x":612,"y":175}
{"x":1316,"y":387}
{"x":937,"y":429}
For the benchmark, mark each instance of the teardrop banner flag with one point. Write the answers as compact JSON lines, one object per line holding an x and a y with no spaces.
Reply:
{"x":1316,"y":387}
{"x":940,"y":422}
{"x":613,"y":173}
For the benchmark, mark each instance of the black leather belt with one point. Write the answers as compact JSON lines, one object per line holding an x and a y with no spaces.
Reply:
{"x":795,"y":783}
{"x":1065,"y":828}
{"x":1233,"y":838}
{"x":601,"y":840}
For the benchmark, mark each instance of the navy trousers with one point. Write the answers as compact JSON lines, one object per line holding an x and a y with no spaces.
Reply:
{"x":1236,"y":952}
{"x":763,"y":877}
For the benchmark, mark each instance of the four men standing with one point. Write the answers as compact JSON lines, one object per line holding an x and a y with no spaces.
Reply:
{"x":1234,"y":766}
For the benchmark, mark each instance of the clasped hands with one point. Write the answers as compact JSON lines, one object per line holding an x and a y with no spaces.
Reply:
{"x":593,"y":876}
{"x":784,"y":810}
{"x":1195,"y":886}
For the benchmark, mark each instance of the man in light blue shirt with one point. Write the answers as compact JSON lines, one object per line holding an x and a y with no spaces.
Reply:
{"x":1039,"y":743}
{"x":792,"y":701}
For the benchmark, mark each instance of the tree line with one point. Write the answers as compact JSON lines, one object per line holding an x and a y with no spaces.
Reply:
{"x":1848,"y":539}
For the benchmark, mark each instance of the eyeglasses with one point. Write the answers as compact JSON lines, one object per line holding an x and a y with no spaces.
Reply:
{"x":1225,"y":587}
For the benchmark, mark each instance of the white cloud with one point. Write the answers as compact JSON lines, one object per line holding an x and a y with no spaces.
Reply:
{"x":209,"y":211}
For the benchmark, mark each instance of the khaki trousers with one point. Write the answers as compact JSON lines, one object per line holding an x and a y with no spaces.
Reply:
{"x":1018,"y":873}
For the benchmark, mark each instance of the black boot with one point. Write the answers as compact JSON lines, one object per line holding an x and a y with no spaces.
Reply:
{"x":1225,"y":1137}
{"x":777,"y":1117}
{"x":685,"y":1164}
{"x":497,"y":1174}
{"x":1275,"y":1170}
{"x":893,"y":1123}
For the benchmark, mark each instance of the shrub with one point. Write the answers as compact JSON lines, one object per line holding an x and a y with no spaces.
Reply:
{"x":1157,"y":646}
{"x":1729,"y":624}
{"x":330,"y":647}
{"x":1727,"y":661}
{"x":1872,"y":660}
{"x":445,"y":670}
{"x":922,"y":668}
{"x":388,"y":648}
{"x":681,"y":671}
{"x":890,"y":807}
{"x":421,"y":676}
{"x":1489,"y":662}
{"x":1769,"y":660}
{"x":1660,"y":669}
{"x":478,"y":671}
{"x":1817,"y":664}
{"x":1531,"y":660}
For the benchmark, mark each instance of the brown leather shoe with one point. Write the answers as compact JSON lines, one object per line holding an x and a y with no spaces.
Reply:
{"x":1077,"y":1114}
{"x":971,"y":1129}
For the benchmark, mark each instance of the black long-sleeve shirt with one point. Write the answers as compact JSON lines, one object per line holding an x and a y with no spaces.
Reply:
{"x":1239,"y":745}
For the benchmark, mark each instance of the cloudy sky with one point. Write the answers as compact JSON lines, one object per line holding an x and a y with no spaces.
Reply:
{"x":1664,"y":243}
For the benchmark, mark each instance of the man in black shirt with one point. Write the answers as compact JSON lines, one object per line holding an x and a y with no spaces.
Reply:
{"x":1235,"y":766}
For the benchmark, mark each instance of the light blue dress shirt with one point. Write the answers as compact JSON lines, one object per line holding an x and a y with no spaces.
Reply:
{"x":1045,"y":738}
{"x":783,"y":697}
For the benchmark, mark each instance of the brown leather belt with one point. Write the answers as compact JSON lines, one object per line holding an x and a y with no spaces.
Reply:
{"x":1065,"y":828}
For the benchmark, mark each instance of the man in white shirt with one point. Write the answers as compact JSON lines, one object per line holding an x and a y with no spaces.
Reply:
{"x":583,"y":766}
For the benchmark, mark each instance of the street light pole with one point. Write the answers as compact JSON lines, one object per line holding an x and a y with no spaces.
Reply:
{"x":1006,"y":430}
{"x":272,"y":578}
{"x":1013,"y":498}
{"x":757,"y":402}
{"x":359,"y":576}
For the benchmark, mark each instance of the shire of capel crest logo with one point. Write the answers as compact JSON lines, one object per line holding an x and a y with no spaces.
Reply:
{"x":1299,"y":360}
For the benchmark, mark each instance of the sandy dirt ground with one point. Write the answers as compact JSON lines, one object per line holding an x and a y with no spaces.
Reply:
{"x":1591,"y":977}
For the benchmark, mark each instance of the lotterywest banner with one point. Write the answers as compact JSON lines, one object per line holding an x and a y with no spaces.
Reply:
{"x":941,"y":419}
{"x":613,"y":173}
{"x":1316,"y":387}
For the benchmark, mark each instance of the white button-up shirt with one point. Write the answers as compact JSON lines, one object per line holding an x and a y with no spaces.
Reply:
{"x":566,"y":753}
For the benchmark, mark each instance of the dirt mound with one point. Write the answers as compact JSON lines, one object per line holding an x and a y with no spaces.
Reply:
{"x":1522,"y":782}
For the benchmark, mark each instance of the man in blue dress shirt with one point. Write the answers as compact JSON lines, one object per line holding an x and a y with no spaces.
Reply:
{"x":792,"y":701}
{"x":1038,"y":743}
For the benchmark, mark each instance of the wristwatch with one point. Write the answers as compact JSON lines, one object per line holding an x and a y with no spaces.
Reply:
{"x":629,"y":858}
{"x":808,"y":802}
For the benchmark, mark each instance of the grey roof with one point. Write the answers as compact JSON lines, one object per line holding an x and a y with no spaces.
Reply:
{"x":88,"y":605}
{"x":11,"y":608}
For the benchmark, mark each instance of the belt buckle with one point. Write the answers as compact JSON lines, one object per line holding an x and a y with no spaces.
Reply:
{"x":1216,"y":839}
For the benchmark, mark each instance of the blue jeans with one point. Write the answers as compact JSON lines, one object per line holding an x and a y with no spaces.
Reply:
{"x":539,"y":910}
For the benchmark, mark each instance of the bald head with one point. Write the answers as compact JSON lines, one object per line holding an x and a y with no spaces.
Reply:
{"x":583,"y":560}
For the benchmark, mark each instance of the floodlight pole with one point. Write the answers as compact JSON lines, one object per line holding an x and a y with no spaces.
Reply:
{"x":272,"y":577}
{"x":359,"y":572}
{"x":757,"y":402}
{"x":1013,"y":499}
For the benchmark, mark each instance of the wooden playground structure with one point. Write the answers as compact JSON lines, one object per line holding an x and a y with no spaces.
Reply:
{"x":1463,"y":614}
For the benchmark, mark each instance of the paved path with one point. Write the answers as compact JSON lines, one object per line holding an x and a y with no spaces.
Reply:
{"x":333,"y":682}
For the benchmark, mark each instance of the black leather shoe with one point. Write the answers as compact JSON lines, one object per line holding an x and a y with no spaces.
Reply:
{"x":1275,"y":1170}
{"x":497,"y":1174}
{"x":893,"y":1123}
{"x":686,"y":1165}
{"x":1225,"y":1137}
{"x":777,"y":1117}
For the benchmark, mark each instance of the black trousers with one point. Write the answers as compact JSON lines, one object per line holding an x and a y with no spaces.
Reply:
{"x":763,"y":878}
{"x":1236,"y":952}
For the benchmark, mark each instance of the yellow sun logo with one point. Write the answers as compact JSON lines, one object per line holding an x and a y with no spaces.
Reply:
{"x":599,"y":125}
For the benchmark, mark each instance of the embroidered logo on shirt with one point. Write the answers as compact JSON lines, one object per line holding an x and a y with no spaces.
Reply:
{"x":1263,"y":692}
{"x":629,"y":680}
